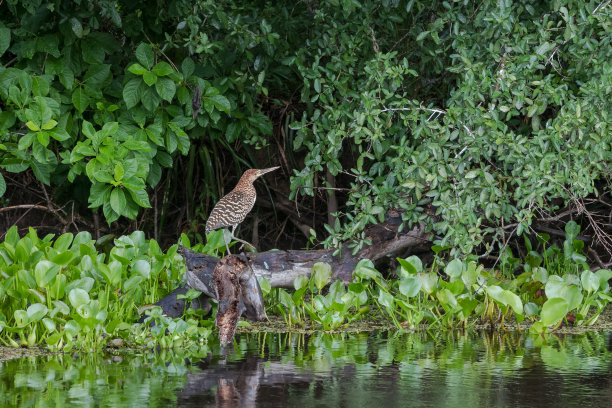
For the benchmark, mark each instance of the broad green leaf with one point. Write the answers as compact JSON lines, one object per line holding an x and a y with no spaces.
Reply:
{"x":428,"y":281}
{"x":470,"y":275}
{"x":386,"y":299}
{"x":49,"y":325}
{"x":454,"y":269}
{"x":143,"y":268}
{"x":411,"y":265}
{"x":447,"y":299}
{"x":321,"y":274}
{"x":221,"y":103}
{"x":44,"y":272}
{"x":137,"y":69}
{"x":165,"y":88}
{"x":188,"y":66}
{"x":162,"y":68}
{"x":77,"y":27}
{"x":78,"y":297}
{"x":2,"y":185}
{"x":553,"y":311}
{"x":49,"y":125}
{"x":132,"y":92}
{"x":117,"y":200}
{"x":144,"y":55}
{"x":80,"y":99}
{"x":410,"y":286}
{"x":149,"y":77}
{"x":32,"y":126}
{"x":36,"y":312}
{"x":300,"y":282}
{"x":119,"y":172}
{"x":5,"y":38}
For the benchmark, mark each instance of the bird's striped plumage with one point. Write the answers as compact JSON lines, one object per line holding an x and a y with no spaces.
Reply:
{"x":233,"y":208}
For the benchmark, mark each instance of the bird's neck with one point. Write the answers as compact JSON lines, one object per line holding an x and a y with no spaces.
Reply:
{"x":245,"y":185}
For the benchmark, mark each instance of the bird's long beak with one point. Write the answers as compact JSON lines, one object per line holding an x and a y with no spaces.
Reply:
{"x":261,"y":172}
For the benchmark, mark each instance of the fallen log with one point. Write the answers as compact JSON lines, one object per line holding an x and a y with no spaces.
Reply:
{"x":232,"y":281}
{"x":281,"y":268}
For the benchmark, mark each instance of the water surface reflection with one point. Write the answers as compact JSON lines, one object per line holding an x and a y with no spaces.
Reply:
{"x":279,"y":370}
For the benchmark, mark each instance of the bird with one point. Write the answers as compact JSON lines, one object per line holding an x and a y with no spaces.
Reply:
{"x":233,"y":208}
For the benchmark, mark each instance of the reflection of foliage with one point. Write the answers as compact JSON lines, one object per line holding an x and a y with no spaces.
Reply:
{"x":94,"y":379}
{"x":340,"y":367}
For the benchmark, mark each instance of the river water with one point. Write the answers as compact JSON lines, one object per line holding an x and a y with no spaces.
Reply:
{"x":377,"y":369}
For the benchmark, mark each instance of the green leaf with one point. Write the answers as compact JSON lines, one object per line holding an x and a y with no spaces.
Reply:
{"x":428,"y":281}
{"x":5,"y":38}
{"x":97,"y":74}
{"x":454,"y":269}
{"x":143,"y":268}
{"x":77,"y":27}
{"x":470,"y":274}
{"x":553,"y":311}
{"x":44,"y":272}
{"x":386,"y":299}
{"x":140,"y":197}
{"x":264,"y":284}
{"x":447,"y":299}
{"x":80,"y":99}
{"x":26,"y":141}
{"x":117,"y":200}
{"x":132,"y":92}
{"x":119,"y":172}
{"x":221,"y":103}
{"x":49,"y":125}
{"x":410,"y":286}
{"x":137,"y":69}
{"x":32,"y":126}
{"x":149,"y":99}
{"x":2,"y":185}
{"x":49,"y":325}
{"x":144,"y":55}
{"x":166,"y":88}
{"x":471,"y":174}
{"x":300,"y":282}
{"x":149,"y":77}
{"x":321,"y":274}
{"x":411,"y":265}
{"x":188,"y":66}
{"x":36,"y":312}
{"x":78,"y":297}
{"x":162,"y":69}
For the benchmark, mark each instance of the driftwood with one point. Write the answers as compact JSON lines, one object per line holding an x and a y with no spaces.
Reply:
{"x":238,"y":293}
{"x":282,"y":267}
{"x":232,"y":281}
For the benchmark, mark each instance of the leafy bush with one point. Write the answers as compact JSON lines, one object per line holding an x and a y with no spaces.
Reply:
{"x":63,"y":292}
{"x":473,"y":118}
{"x":467,"y":116}
{"x":98,"y":90}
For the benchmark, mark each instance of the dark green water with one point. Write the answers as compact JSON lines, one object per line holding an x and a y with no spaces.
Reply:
{"x":384,"y":369}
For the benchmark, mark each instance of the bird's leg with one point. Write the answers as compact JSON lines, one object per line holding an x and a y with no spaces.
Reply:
{"x":225,"y":242}
{"x":239,"y":240}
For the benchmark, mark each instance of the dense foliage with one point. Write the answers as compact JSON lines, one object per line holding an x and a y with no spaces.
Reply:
{"x":73,"y":292}
{"x":473,"y":118}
